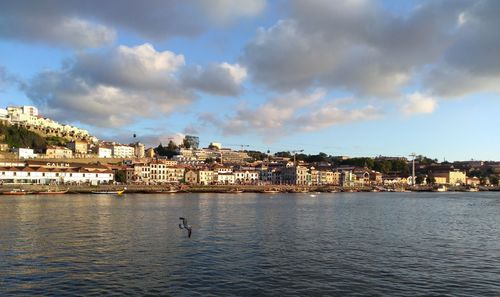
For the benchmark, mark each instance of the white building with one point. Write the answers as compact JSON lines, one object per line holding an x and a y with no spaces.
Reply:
{"x":104,"y":152}
{"x":49,"y":173}
{"x":25,"y":153}
{"x":4,"y":114}
{"x":246,"y":177}
{"x":123,"y":151}
{"x":225,"y":178}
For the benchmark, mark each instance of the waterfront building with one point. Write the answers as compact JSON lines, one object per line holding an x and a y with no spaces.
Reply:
{"x":175,"y":174}
{"x":44,"y":173}
{"x":473,"y":181}
{"x":450,"y":177}
{"x":225,"y":178}
{"x":246,"y":177}
{"x":336,"y":178}
{"x":295,"y":175}
{"x":375,"y":177}
{"x":313,"y":177}
{"x":139,"y":173}
{"x":347,"y":178}
{"x":162,"y":173}
{"x":205,"y":177}
{"x":362,"y":176}
{"x":191,"y":177}
{"x":325,"y":177}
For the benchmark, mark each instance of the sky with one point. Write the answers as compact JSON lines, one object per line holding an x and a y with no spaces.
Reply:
{"x":346,"y":77}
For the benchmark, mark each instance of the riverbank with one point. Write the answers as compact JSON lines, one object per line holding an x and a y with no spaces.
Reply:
{"x":154,"y":189}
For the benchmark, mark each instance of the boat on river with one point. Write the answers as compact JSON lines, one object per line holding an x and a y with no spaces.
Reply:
{"x":51,"y":192}
{"x":270,"y":191}
{"x":235,"y":191}
{"x":16,"y":192}
{"x":109,"y":192}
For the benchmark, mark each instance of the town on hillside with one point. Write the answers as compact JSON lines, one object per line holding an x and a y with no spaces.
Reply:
{"x":35,"y":150}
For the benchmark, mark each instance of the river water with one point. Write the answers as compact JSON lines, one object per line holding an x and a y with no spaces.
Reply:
{"x":339,"y":244}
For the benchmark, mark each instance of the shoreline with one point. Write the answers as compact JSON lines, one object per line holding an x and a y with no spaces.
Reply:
{"x":229,"y":189}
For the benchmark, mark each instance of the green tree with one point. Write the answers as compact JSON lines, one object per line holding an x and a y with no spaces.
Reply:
{"x":283,"y":154}
{"x":167,"y":151}
{"x":256,"y":155}
{"x":431,"y":180}
{"x":419,"y":179}
{"x":494,"y":180}
{"x":22,"y":138}
{"x":186,"y":143}
{"x":121,"y":176}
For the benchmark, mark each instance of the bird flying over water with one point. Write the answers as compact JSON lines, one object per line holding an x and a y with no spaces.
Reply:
{"x":184,"y":225}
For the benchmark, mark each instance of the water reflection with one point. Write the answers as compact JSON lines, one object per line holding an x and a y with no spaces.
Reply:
{"x":251,"y":244}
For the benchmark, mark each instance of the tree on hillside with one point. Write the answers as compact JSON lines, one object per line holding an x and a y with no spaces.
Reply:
{"x":185,"y":143}
{"x":283,"y":154}
{"x":257,"y":155}
{"x":19,"y":137}
{"x":167,"y":151}
{"x":321,"y":157}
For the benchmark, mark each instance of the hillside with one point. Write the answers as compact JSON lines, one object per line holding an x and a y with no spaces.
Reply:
{"x":17,"y":137}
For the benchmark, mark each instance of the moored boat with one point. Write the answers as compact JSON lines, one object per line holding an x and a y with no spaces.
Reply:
{"x":235,"y":191}
{"x":109,"y":192}
{"x":270,"y":191}
{"x":51,"y":192}
{"x":441,"y":188}
{"x":16,"y":192}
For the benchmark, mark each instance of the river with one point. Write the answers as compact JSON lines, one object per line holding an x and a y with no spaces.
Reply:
{"x":334,"y":244}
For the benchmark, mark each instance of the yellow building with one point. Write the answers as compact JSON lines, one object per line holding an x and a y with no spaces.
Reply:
{"x":57,"y":152}
{"x":191,"y":177}
{"x":451,"y":177}
{"x":205,"y":177}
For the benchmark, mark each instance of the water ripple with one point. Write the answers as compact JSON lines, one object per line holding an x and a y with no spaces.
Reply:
{"x":287,"y":244}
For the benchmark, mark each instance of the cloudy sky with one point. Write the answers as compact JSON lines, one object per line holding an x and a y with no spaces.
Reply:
{"x":346,"y":77}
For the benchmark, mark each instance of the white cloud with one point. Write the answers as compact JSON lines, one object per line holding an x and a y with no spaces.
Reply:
{"x":236,"y":71}
{"x":349,"y":45}
{"x":219,"y":79}
{"x":293,"y":111}
{"x":417,"y":103}
{"x":124,"y":85}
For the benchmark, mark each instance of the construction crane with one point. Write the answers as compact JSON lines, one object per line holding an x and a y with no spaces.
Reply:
{"x":413,"y":168}
{"x":295,"y":155}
